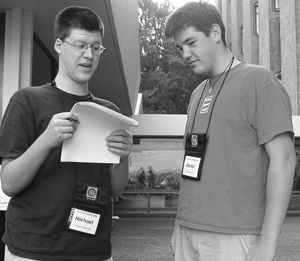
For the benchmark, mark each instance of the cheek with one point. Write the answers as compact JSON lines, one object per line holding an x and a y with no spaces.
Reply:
{"x":95,"y":63}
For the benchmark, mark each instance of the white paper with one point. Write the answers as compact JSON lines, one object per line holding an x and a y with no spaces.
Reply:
{"x":95,"y":123}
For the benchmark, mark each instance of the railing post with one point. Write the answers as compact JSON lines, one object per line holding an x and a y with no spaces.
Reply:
{"x":148,"y":202}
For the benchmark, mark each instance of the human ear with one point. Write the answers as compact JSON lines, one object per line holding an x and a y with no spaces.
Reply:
{"x":57,"y":45}
{"x":216,"y":32}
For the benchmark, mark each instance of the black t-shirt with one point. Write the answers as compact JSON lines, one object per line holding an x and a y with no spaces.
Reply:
{"x":37,"y":216}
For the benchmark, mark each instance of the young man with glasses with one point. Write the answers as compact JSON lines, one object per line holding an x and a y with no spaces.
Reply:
{"x":239,"y":153}
{"x":47,"y":193}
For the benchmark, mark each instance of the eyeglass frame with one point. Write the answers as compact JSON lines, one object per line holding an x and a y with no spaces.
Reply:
{"x":101,"y":47}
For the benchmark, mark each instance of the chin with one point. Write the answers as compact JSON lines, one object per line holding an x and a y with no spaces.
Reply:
{"x":198,"y":71}
{"x":85,"y":78}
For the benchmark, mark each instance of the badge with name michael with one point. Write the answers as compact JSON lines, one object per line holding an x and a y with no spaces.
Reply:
{"x":88,"y":203}
{"x":195,"y":146}
{"x":83,"y":221}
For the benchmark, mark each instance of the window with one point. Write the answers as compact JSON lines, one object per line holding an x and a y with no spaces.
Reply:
{"x":2,"y":37}
{"x":296,"y":185}
{"x":154,"y":170}
{"x":242,"y":39}
{"x":44,"y":64}
{"x":276,"y":5}
{"x":256,"y":29}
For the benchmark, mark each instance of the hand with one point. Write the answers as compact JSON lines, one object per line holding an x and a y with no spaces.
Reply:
{"x":261,"y":251}
{"x":120,"y":142}
{"x":61,"y":127}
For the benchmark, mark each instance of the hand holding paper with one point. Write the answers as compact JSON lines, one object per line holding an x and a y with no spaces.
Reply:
{"x":88,"y":143}
{"x":120,"y":142}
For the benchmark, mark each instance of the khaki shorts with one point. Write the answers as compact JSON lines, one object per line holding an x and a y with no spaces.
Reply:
{"x":197,"y":245}
{"x":11,"y":257}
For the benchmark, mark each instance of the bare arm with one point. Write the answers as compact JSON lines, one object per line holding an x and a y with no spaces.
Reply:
{"x":18,"y":173}
{"x":119,"y":142}
{"x":281,"y":151}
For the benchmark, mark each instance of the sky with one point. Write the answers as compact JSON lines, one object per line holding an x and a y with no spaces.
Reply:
{"x":178,"y":3}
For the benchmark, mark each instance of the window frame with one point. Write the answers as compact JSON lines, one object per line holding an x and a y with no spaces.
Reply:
{"x":256,"y":23}
{"x":276,"y":5}
{"x":242,"y":50}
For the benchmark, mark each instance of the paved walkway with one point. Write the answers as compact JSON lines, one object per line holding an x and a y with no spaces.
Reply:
{"x":147,"y":239}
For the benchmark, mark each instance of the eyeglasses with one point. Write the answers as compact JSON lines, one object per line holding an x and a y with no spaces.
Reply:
{"x":81,"y":47}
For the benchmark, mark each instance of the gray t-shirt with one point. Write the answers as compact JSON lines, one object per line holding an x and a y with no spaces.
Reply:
{"x":252,"y":107}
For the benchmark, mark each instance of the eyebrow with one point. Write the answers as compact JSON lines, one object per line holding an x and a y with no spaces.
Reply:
{"x":85,"y":42}
{"x":185,"y":41}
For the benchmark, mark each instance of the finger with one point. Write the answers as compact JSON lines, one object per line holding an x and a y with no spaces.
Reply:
{"x":119,"y":142}
{"x":122,"y":153}
{"x":63,"y":115}
{"x":124,"y":133}
{"x":65,"y":126}
{"x":74,"y":118}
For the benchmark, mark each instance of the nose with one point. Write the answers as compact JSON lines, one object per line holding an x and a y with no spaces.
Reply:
{"x":185,"y":52}
{"x":88,"y":52}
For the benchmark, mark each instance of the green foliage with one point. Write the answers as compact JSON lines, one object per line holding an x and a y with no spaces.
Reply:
{"x":166,"y":81}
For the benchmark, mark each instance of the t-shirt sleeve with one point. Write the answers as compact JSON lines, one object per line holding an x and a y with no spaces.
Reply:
{"x":274,"y":112}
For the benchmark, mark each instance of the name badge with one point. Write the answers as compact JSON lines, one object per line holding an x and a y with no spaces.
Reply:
{"x":195,"y":147}
{"x":191,"y":166}
{"x":83,"y":221}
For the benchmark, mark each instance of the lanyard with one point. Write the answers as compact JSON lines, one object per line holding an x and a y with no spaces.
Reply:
{"x":230,"y":64}
{"x":53,"y":84}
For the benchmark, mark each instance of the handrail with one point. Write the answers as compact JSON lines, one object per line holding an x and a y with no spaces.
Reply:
{"x":165,"y":192}
{"x":149,"y":192}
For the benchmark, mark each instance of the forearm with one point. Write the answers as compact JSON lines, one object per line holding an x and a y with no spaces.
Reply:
{"x":119,"y":178}
{"x":279,"y":186}
{"x":17,"y":174}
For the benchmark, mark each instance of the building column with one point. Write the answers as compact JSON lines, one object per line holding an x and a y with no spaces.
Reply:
{"x":225,"y":14}
{"x":290,"y":50}
{"x":218,"y":4}
{"x":269,"y":38}
{"x":18,"y":52}
{"x":251,"y":42}
{"x":236,"y":24}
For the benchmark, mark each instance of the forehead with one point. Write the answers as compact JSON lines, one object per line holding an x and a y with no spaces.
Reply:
{"x":81,"y":34}
{"x":186,"y":34}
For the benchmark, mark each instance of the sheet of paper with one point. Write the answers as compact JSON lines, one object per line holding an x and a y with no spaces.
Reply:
{"x":88,"y":143}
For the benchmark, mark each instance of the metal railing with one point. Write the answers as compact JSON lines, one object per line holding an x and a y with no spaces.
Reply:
{"x":167,"y":194}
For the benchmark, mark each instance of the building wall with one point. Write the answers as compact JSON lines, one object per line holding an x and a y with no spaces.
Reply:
{"x":276,"y":46}
{"x":290,"y":50}
{"x":251,"y":42}
{"x":236,"y":27}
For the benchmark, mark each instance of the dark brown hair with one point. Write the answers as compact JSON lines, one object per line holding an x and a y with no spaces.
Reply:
{"x":200,"y":15}
{"x":76,"y":17}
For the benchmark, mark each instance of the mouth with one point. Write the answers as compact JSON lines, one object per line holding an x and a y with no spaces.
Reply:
{"x":191,"y":62}
{"x":85,"y":65}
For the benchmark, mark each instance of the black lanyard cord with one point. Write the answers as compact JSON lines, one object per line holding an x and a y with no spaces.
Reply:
{"x":53,"y":84}
{"x":231,"y":62}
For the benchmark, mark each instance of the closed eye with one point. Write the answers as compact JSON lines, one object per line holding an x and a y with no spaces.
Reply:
{"x":81,"y":46}
{"x":96,"y":47}
{"x":179,"y":48}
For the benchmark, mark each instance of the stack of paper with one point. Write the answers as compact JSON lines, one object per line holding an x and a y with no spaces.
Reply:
{"x":88,"y":143}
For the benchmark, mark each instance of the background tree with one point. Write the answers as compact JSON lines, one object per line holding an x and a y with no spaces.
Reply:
{"x":166,"y":81}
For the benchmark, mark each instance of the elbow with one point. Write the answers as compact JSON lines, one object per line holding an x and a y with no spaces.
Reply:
{"x":116,"y":194}
{"x":7,"y":188}
{"x":8,"y":192}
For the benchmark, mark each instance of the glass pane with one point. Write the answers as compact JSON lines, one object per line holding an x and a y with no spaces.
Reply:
{"x":296,"y":185}
{"x":155,"y":169}
{"x":156,"y":164}
{"x":256,"y":19}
